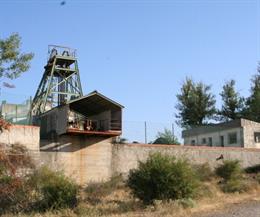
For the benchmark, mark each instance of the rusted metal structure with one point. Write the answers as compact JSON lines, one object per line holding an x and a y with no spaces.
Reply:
{"x":59,"y":106}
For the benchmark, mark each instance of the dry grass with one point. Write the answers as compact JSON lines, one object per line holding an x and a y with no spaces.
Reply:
{"x":119,"y":203}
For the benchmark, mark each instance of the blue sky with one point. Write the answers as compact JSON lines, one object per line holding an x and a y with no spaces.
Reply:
{"x":139,"y":52}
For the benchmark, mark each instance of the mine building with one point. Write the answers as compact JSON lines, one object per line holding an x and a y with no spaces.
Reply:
{"x":59,"y":106}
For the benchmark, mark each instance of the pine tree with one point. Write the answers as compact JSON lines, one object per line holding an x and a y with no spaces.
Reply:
{"x":253,"y":101}
{"x":233,"y":103}
{"x":196,"y":105}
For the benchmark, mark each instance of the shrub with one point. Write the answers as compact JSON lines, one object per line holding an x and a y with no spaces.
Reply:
{"x":96,"y":190}
{"x":4,"y":125}
{"x":23,"y":188}
{"x":54,"y":189}
{"x":162,"y":177}
{"x":232,"y":174}
{"x":234,"y":185}
{"x":204,"y":172}
{"x":186,"y":203}
{"x":15,"y":193}
{"x":257,"y":177}
{"x":230,"y":169}
{"x":253,"y":169}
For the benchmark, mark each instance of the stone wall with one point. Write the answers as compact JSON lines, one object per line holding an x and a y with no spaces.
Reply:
{"x":126,"y":157}
{"x":28,"y":136}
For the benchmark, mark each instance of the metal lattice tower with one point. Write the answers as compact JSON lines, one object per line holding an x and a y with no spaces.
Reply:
{"x":60,"y":82}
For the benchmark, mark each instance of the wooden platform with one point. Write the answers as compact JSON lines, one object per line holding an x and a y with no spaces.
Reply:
{"x":97,"y":133}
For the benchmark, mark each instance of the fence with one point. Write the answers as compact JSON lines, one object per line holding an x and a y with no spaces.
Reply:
{"x":16,"y":112}
{"x":147,"y":131}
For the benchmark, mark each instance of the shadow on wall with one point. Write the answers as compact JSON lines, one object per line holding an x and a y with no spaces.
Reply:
{"x":71,"y":143}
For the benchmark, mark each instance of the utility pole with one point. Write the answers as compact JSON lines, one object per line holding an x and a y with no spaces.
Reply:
{"x":173,"y":130}
{"x":145,"y":132}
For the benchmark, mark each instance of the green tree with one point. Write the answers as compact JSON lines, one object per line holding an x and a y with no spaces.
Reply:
{"x":233,"y":103}
{"x":196,"y":104}
{"x":253,"y":101}
{"x":12,"y":61}
{"x":166,"y":137}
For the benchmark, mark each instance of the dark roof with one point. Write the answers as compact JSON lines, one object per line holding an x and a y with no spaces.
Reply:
{"x":93,"y":103}
{"x":212,"y":128}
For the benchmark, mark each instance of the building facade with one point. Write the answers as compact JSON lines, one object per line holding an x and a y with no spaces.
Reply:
{"x":236,"y":133}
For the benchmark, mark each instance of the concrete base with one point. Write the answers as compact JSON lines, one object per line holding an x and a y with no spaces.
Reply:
{"x":86,"y":159}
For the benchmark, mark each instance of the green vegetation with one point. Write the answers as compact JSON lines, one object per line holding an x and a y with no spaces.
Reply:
{"x":14,"y":190}
{"x":234,"y":185}
{"x":162,"y":177}
{"x":165,"y":185}
{"x":96,"y":190}
{"x":12,"y":61}
{"x":233,"y":103}
{"x":166,"y":137}
{"x":54,"y":190}
{"x":230,"y":169}
{"x":253,"y":169}
{"x":196,"y":104}
{"x":204,"y":172}
{"x":232,"y":174}
{"x":253,"y":101}
{"x":25,"y":188}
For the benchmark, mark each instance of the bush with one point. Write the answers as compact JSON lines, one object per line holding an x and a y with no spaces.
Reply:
{"x":204,"y":172}
{"x":230,"y":169}
{"x":4,"y":125}
{"x":232,"y":174}
{"x":15,"y":193}
{"x":23,"y":188}
{"x":54,"y":190}
{"x":234,"y":185}
{"x":253,"y":169}
{"x":162,"y":177}
{"x":257,"y":177}
{"x":95,"y":191}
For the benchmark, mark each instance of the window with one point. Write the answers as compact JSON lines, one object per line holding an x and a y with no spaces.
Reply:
{"x":203,"y":141}
{"x":257,"y":137}
{"x":232,"y":138}
{"x":193,"y":142}
{"x":210,"y":141}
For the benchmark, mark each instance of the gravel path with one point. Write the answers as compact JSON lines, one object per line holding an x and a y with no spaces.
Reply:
{"x":250,"y":209}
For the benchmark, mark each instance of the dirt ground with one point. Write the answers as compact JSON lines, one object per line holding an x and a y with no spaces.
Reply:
{"x":248,"y":209}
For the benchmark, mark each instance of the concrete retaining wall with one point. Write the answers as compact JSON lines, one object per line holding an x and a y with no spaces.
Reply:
{"x":126,"y":157}
{"x":28,"y":136}
{"x":94,"y":159}
{"x":86,"y":159}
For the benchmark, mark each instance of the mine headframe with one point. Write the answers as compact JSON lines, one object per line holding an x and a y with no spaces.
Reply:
{"x":60,"y":82}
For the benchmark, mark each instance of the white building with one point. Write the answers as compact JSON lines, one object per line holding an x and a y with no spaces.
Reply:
{"x":236,"y":133}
